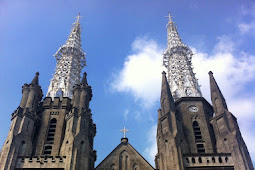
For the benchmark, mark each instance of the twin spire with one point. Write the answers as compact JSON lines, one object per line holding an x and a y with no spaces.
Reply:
{"x":177,"y":58}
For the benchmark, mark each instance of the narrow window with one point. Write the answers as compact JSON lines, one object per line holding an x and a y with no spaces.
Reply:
{"x":28,"y":125}
{"x":200,"y":160}
{"x":193,"y":160}
{"x":197,"y":131}
{"x":200,"y":148}
{"x":226,"y":159}
{"x":220,"y":160}
{"x":213,"y":159}
{"x":22,"y":148}
{"x":50,"y":137}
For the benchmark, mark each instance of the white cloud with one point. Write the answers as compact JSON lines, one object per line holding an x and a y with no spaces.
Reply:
{"x":233,"y":70}
{"x":141,"y":72}
{"x":244,"y":28}
{"x":151,"y":150}
{"x":247,"y":23}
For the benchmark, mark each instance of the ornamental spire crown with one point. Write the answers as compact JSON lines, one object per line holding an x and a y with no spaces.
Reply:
{"x":177,"y":59}
{"x":70,"y":61}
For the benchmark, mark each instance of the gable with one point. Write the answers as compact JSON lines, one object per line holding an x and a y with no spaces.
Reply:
{"x":124,"y":156}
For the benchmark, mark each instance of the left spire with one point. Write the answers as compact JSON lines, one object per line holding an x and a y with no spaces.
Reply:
{"x":70,"y":61}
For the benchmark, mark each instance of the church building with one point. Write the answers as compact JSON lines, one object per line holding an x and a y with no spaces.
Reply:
{"x":57,"y":132}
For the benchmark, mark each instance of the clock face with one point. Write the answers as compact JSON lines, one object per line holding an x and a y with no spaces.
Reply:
{"x":193,"y":109}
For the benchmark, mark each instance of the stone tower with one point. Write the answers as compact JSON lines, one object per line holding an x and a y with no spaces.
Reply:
{"x":192,"y":134}
{"x":58,"y":132}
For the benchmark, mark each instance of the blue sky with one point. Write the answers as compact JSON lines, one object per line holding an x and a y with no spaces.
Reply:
{"x":124,"y":41}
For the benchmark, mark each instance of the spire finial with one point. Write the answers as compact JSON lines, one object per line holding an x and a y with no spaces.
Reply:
{"x":124,"y":131}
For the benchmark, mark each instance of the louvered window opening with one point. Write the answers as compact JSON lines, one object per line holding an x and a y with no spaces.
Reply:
{"x":197,"y":131}
{"x":50,"y":137}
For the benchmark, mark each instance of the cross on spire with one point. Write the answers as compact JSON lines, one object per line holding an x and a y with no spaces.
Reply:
{"x":124,"y":131}
{"x":78,"y":17}
{"x":169,"y":17}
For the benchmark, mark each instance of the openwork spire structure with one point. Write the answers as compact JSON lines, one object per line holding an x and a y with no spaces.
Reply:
{"x":70,"y":61}
{"x":177,"y":59}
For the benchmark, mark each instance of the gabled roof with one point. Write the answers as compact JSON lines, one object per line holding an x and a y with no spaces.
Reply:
{"x":124,"y":142}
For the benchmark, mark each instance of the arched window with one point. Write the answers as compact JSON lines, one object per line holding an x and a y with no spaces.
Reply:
{"x":59,"y":93}
{"x":124,"y":160}
{"x":113,"y":167}
{"x":193,"y":160}
{"x":200,"y":160}
{"x":197,"y":131}
{"x":220,"y":160}
{"x":22,"y":148}
{"x":50,"y":137}
{"x":200,"y":148}
{"x":135,"y":167}
{"x":213,"y":159}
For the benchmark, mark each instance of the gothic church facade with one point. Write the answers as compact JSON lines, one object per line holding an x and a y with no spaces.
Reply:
{"x":58,"y":132}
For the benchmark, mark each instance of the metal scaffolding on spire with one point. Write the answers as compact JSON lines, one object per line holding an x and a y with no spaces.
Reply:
{"x":70,"y":61}
{"x":177,"y":59}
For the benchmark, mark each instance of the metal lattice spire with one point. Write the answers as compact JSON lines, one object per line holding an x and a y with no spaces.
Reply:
{"x":70,"y":61}
{"x":177,"y":59}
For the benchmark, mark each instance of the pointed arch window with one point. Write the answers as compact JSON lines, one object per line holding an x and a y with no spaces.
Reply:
{"x":197,"y":131}
{"x":59,"y":93}
{"x":135,"y":167}
{"x":50,"y":137}
{"x":113,"y":167}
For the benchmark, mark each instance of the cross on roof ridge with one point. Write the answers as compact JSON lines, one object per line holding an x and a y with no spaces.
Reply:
{"x":124,"y":131}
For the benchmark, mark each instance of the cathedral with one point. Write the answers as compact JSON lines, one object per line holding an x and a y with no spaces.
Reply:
{"x":57,"y":132}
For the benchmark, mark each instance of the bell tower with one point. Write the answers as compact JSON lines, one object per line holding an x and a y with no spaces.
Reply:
{"x":192,"y":134}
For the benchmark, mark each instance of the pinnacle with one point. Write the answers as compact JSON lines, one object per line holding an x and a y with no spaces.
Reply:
{"x":216,"y":94}
{"x":35,"y":80}
{"x":167,"y":101}
{"x":84,"y":79}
